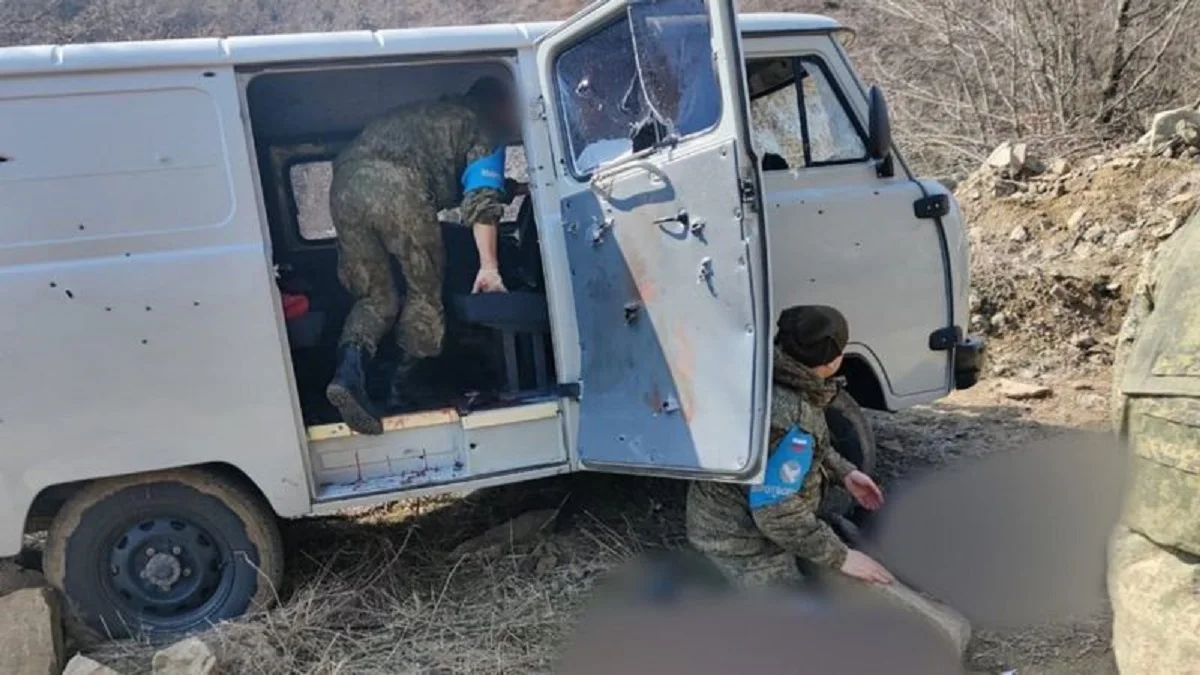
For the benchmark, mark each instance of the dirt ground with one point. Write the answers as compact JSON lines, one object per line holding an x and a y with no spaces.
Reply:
{"x":386,"y":591}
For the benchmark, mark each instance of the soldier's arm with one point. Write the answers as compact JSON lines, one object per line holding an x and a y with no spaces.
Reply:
{"x":835,"y":465}
{"x":482,"y":208}
{"x":795,"y":528}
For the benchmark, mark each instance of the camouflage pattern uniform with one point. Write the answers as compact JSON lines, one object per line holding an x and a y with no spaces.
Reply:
{"x":1154,"y":560}
{"x":388,"y":186}
{"x":760,"y":546}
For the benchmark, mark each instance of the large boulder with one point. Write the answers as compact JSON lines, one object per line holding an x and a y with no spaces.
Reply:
{"x":1170,"y":126}
{"x":13,"y":577}
{"x":31,"y":634}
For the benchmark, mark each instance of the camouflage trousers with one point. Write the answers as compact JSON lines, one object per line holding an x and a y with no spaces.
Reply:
{"x":379,"y":211}
{"x":1155,"y":594}
{"x":779,"y":569}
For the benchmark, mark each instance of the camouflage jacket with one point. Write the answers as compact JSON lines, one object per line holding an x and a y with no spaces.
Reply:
{"x":1157,"y":394}
{"x":435,"y":141}
{"x":720,"y":521}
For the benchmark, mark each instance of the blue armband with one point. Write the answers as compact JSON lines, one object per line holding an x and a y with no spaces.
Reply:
{"x":485,"y":172}
{"x":789,"y":464}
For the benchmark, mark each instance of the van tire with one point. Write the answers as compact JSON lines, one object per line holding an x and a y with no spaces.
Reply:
{"x":223,"y":555}
{"x":851,"y":435}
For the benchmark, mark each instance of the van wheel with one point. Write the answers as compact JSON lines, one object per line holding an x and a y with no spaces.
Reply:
{"x":851,"y":435}
{"x":159,"y":555}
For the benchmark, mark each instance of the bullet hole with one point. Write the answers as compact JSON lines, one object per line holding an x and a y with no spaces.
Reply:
{"x":620,"y":439}
{"x":127,"y":254}
{"x":858,"y":243}
{"x":210,"y":74}
{"x":820,"y":212}
{"x":70,"y":295}
{"x":81,"y":227}
{"x":108,"y":309}
{"x":877,"y":193}
{"x":145,"y":342}
{"x":53,"y":285}
{"x":195,"y":303}
{"x":474,"y":445}
{"x":812,"y":281}
{"x":149,"y":308}
{"x":3,"y":159}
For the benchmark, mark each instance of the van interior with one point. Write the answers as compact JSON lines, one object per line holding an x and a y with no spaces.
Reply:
{"x":497,"y":351}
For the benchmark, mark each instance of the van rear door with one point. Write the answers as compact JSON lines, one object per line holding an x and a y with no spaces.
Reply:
{"x":647,"y":103}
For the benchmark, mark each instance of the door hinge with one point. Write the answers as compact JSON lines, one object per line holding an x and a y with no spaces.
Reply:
{"x":537,"y":108}
{"x":933,"y":206}
{"x":748,"y":192}
{"x":571,"y":390}
{"x":944,"y":339}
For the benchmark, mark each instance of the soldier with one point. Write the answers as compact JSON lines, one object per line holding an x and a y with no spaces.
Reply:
{"x":388,"y":186}
{"x":1154,"y":560}
{"x":755,"y":535}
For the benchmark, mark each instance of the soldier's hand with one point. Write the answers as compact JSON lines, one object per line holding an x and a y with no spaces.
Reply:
{"x":488,"y":281}
{"x":861,"y":566}
{"x":864,"y":490}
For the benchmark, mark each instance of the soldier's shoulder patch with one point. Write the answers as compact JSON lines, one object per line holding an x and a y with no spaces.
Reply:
{"x":790,"y":462}
{"x":485,"y":173}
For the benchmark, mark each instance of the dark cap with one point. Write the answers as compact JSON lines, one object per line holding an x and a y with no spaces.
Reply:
{"x":812,"y":334}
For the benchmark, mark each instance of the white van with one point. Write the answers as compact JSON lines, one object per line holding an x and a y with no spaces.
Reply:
{"x":160,"y":201}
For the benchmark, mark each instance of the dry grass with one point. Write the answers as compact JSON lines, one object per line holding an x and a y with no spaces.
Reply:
{"x":383,"y":592}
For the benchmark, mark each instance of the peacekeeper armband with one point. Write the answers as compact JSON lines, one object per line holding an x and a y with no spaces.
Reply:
{"x":485,"y":173}
{"x":786,"y":469}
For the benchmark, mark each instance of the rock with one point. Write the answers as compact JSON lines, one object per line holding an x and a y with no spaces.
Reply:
{"x":1022,"y":391}
{"x":1128,"y":238}
{"x":1076,"y":218}
{"x":1013,"y":159}
{"x":998,"y":319}
{"x":1165,"y":126}
{"x":187,"y":657}
{"x":1093,"y":401}
{"x":31,"y":640}
{"x":1019,"y":234}
{"x":1096,"y":234}
{"x":518,"y":530}
{"x":1188,"y":132}
{"x":82,"y":665}
{"x":14,"y":578}
{"x":1084,"y":341}
{"x":1059,"y":167}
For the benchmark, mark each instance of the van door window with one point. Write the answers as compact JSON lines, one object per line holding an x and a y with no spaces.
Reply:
{"x":631,"y":87}
{"x":809,"y":125}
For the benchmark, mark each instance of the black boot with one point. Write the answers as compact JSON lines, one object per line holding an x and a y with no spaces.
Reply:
{"x":348,"y":390}
{"x":410,"y":387}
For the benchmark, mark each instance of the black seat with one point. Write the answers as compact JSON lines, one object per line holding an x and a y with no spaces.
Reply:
{"x":515,"y":315}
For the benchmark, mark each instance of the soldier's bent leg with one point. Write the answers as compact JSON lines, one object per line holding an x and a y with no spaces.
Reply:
{"x":1155,"y":594}
{"x":421,"y":329}
{"x":363,"y":269}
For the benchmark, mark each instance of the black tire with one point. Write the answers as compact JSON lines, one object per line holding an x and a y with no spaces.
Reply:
{"x":851,"y":435}
{"x":212,"y":543}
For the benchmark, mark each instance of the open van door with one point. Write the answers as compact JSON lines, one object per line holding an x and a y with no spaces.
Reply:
{"x":647,"y":103}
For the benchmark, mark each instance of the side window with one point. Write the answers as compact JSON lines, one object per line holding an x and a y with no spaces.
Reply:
{"x":799,"y":118}
{"x":642,"y":81}
{"x":310,"y":190}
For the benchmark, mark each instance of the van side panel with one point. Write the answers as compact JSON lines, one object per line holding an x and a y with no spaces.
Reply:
{"x":140,"y":326}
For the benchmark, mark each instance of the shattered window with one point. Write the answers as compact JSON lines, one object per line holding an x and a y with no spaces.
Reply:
{"x":796,"y":126}
{"x":641,"y":81}
{"x":832,"y":135}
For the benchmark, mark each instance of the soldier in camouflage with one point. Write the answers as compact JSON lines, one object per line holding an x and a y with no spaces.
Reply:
{"x":388,"y":186}
{"x":755,"y":534}
{"x":1154,"y":560}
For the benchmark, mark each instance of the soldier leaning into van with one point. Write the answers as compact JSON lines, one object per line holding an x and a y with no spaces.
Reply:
{"x":756,"y":534}
{"x":388,"y":186}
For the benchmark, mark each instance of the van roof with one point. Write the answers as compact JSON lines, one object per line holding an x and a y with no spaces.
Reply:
{"x":264,"y":49}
